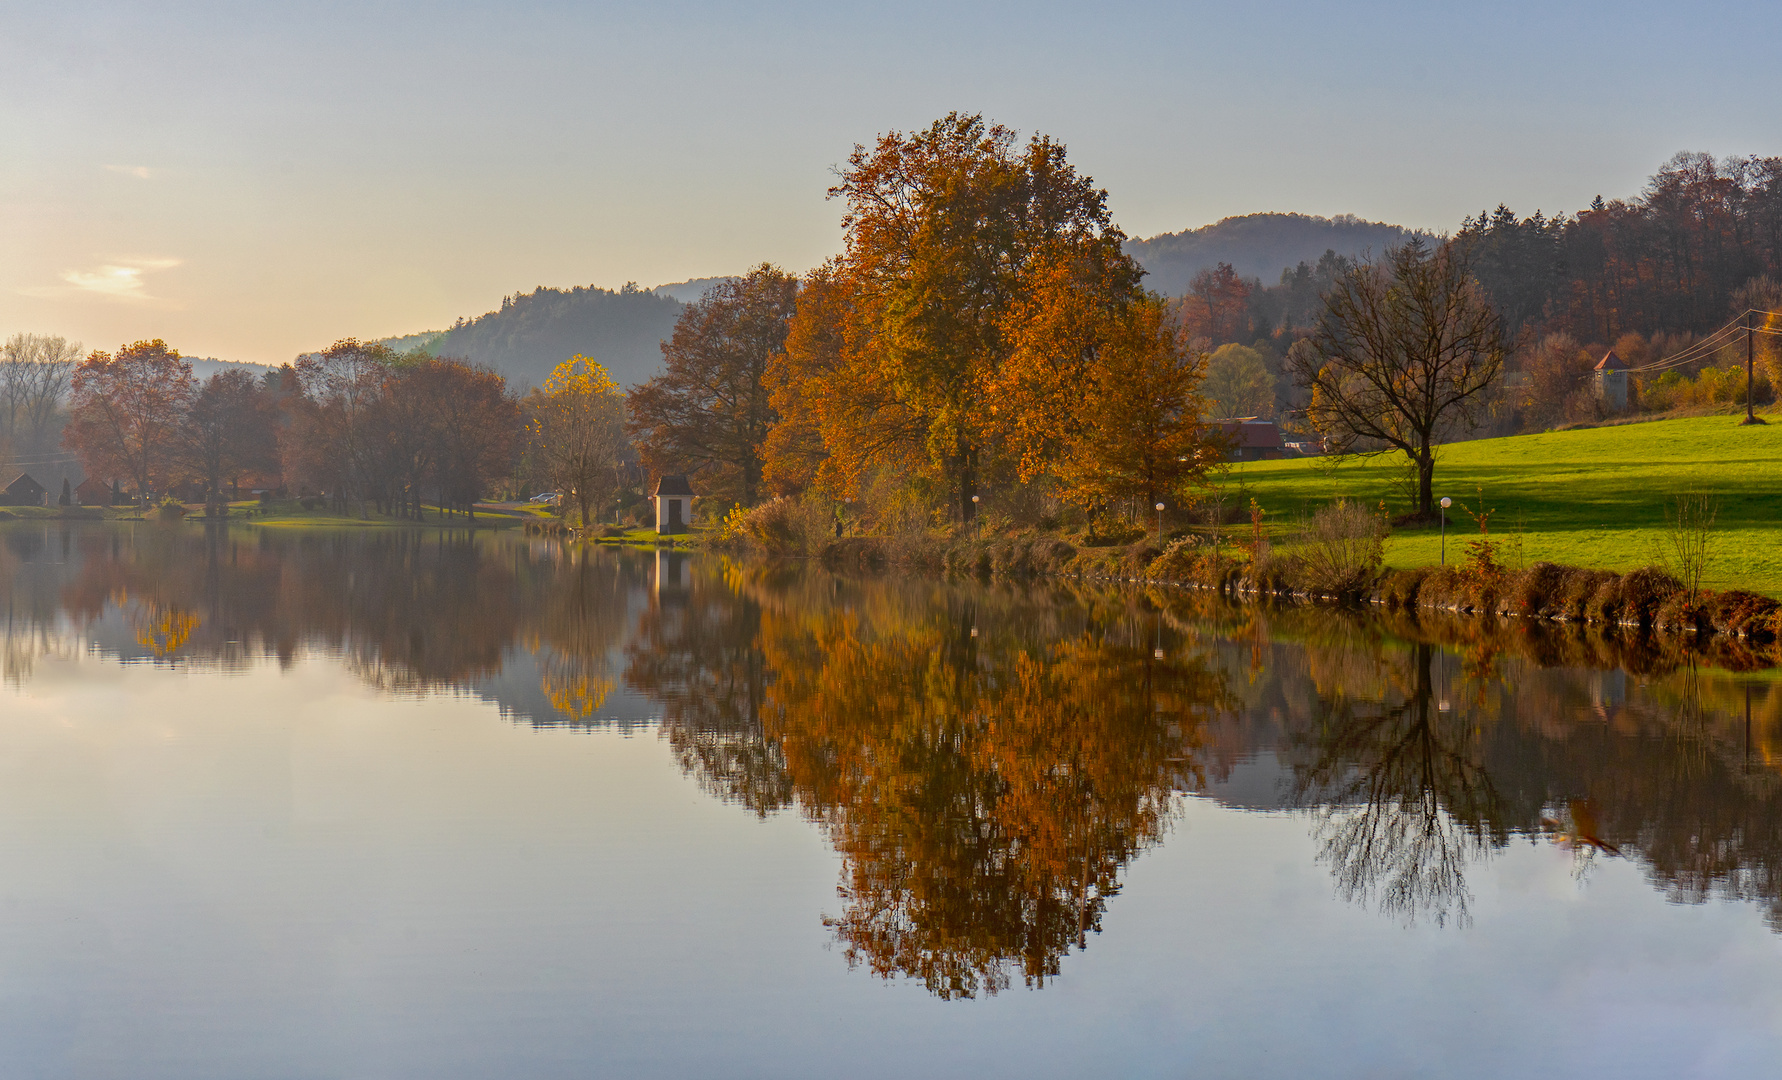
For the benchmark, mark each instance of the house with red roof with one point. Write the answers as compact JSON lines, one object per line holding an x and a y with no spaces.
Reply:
{"x":1248,"y":438}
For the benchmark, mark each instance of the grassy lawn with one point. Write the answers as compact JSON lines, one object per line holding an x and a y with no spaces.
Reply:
{"x":1594,"y":497}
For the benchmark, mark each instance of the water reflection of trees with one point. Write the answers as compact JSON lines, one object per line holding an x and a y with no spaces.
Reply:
{"x":696,"y":650}
{"x":984,"y":781}
{"x":1611,"y":747}
{"x":1406,"y":799}
{"x":986,"y":792}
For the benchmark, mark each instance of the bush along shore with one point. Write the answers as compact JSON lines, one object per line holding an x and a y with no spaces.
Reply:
{"x":1334,"y":558}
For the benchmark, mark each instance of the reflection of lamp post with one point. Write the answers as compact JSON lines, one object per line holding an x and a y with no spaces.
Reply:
{"x":1446,"y":502}
{"x":976,"y":529}
{"x":1159,"y":526}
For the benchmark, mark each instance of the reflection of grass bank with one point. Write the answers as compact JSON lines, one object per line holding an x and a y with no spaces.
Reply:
{"x":290,"y":513}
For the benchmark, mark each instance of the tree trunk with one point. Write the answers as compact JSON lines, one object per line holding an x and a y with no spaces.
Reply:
{"x":968,"y":481}
{"x":1425,"y":481}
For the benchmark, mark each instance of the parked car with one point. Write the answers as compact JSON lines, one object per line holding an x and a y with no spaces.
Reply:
{"x":550,"y":497}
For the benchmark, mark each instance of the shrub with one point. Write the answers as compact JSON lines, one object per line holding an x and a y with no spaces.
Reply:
{"x":1112,"y":532}
{"x":1745,"y":614}
{"x":1578,"y":592}
{"x":784,"y":526}
{"x":1403,"y":588}
{"x":171,"y":509}
{"x":1538,"y":590}
{"x":1178,"y":562}
{"x":1339,"y":548}
{"x":1644,"y":590}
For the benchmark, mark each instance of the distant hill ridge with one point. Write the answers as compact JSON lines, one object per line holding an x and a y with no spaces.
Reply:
{"x":531,"y":333}
{"x":1260,"y":245}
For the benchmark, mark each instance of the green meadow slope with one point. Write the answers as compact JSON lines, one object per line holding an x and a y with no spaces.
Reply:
{"x":1595,"y":497}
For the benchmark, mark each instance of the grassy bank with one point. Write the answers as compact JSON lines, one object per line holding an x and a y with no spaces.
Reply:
{"x":1594,"y":497}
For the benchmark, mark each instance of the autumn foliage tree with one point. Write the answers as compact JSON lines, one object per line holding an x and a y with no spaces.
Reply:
{"x":575,"y":426}
{"x":125,"y":411}
{"x":1137,"y":430}
{"x":1217,"y":307}
{"x":709,"y":411}
{"x":334,"y":447}
{"x":230,"y":428}
{"x":945,"y":227}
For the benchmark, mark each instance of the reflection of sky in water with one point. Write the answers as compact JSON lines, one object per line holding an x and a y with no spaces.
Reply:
{"x":289,"y":875}
{"x":212,"y":866}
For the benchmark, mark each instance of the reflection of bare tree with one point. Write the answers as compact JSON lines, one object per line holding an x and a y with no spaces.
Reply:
{"x":1407,"y":801}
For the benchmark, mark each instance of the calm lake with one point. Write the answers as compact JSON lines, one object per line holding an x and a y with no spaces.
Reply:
{"x":398,"y":804}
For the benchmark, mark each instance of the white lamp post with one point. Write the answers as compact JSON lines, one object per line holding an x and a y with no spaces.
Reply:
{"x":976,"y":529}
{"x":1159,"y":526}
{"x":1446,"y":502}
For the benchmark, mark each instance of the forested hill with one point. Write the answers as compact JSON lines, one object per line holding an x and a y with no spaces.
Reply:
{"x":1258,"y":245}
{"x":533,"y":332}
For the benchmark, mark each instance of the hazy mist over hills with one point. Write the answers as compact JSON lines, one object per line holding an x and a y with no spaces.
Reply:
{"x":1259,"y":245}
{"x":689,"y":291}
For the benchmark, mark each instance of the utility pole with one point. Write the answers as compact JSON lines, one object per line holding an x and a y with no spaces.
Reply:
{"x":1750,"y":351}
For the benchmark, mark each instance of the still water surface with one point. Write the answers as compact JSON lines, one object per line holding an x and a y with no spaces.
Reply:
{"x":378,"y":804}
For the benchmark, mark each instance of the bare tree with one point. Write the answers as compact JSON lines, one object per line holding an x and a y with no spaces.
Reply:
{"x":341,"y":385}
{"x":35,"y":370}
{"x":1687,"y":547}
{"x":1401,"y":357}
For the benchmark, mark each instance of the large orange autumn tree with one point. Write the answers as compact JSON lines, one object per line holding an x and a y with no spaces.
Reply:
{"x":913,"y":353}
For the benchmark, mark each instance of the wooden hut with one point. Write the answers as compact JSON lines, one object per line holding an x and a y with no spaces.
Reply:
{"x":25,"y":491}
{"x":674,"y":504}
{"x":92,"y":492}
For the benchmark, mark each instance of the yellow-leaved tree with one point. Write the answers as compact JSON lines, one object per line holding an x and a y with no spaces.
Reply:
{"x":576,"y":426}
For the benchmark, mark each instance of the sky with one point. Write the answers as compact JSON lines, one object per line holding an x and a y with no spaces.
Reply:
{"x":251,"y":181}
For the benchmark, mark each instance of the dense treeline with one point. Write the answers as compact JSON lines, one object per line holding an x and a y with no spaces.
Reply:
{"x":358,"y":423}
{"x":1649,"y":277}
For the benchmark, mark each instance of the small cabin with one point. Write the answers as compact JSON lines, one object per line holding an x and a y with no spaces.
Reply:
{"x":674,"y":504}
{"x":1611,"y":382}
{"x":92,"y":492}
{"x":25,"y":491}
{"x":1248,"y":438}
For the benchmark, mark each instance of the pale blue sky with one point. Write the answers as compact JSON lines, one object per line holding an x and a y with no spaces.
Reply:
{"x":251,"y":180}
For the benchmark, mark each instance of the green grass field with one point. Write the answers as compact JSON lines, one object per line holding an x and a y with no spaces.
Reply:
{"x":1594,"y":497}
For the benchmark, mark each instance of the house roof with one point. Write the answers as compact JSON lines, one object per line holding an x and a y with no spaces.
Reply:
{"x":1611,"y":362}
{"x":674,"y":485}
{"x":24,"y":480}
{"x":1249,"y":433}
{"x":93,"y":483}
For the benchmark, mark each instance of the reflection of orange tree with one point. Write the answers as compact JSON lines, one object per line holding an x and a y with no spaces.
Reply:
{"x":583,"y":618}
{"x":984,"y":798}
{"x":162,"y":629}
